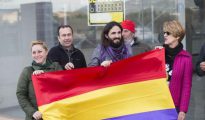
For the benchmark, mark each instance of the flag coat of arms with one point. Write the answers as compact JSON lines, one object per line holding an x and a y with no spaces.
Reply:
{"x":131,"y":89}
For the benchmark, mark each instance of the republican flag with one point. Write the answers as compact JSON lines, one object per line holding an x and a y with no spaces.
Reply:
{"x":131,"y":89}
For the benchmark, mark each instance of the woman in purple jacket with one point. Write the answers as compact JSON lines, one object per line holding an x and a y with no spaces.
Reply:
{"x":178,"y":66}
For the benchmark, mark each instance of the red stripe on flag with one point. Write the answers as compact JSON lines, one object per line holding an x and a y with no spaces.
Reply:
{"x":54,"y":86}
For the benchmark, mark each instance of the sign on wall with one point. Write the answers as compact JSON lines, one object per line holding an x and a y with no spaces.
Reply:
{"x":101,"y":12}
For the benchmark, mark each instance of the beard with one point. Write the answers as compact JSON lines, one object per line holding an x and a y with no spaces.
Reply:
{"x":115,"y":42}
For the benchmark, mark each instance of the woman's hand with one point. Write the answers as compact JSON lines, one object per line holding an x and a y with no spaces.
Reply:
{"x":37,"y":72}
{"x":37,"y":115}
{"x":181,"y":116}
{"x":158,"y":47}
{"x":106,"y":63}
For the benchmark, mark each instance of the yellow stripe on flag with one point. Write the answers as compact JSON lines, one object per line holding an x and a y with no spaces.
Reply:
{"x":112,"y":102}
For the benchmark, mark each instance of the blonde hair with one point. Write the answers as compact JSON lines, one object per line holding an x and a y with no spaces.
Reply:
{"x":39,"y":42}
{"x":175,"y":29}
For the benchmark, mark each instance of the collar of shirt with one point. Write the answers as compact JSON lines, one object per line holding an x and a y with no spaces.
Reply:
{"x":129,"y":42}
{"x":132,"y":42}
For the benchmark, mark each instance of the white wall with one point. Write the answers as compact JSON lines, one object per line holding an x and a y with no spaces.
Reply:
{"x":10,"y":70}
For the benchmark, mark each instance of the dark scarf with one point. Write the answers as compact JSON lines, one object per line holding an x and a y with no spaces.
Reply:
{"x":38,"y":66}
{"x":116,"y":54}
{"x":170,"y":54}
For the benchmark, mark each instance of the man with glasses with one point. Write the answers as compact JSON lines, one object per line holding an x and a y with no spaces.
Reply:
{"x":65,"y":53}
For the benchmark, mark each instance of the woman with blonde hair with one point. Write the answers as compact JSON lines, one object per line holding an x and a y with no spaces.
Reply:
{"x":178,"y":66}
{"x":25,"y":91}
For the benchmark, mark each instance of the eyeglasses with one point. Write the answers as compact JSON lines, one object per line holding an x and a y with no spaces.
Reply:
{"x":167,"y":33}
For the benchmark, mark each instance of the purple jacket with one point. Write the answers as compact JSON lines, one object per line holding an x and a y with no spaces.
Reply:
{"x":181,"y":80}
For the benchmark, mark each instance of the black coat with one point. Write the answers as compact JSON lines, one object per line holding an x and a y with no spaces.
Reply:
{"x":139,"y":47}
{"x":75,"y":56}
{"x":200,"y":59}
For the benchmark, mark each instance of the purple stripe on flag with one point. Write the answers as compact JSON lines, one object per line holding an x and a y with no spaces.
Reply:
{"x":167,"y":114}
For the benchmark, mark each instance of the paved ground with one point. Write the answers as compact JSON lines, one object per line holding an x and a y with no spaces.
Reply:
{"x":196,"y":109}
{"x":197,"y":103}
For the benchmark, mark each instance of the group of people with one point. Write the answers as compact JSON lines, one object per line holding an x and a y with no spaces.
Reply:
{"x":118,"y":42}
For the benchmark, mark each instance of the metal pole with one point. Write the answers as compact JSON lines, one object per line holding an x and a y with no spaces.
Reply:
{"x":181,"y":16}
{"x":152,"y":8}
{"x":142,"y":5}
{"x":65,"y":14}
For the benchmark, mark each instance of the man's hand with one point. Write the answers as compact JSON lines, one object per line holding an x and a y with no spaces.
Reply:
{"x":106,"y":63}
{"x":69,"y":66}
{"x":202,"y":66}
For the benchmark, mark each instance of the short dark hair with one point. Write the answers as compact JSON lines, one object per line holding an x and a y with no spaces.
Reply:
{"x":106,"y":30}
{"x":64,"y":26}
